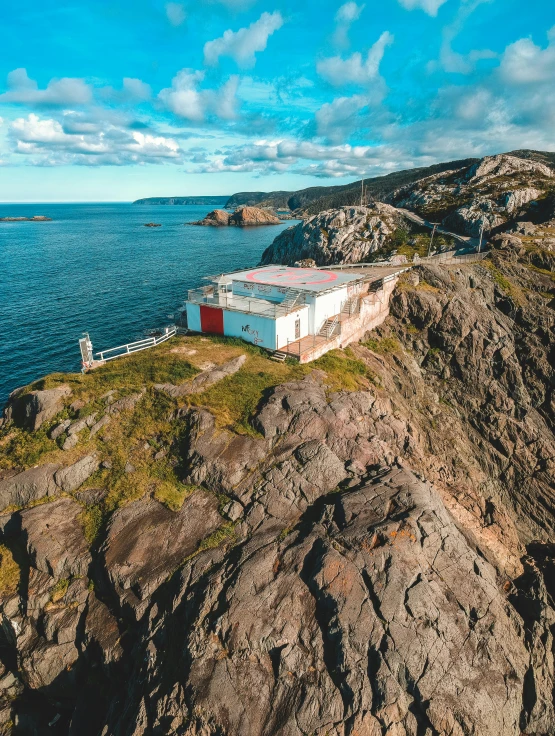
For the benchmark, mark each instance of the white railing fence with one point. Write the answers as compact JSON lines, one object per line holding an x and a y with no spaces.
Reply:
{"x":135,"y":347}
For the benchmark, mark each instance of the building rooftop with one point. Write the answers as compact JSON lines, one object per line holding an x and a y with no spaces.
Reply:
{"x":301,"y":279}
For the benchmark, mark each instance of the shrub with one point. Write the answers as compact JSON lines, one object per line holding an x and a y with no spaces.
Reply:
{"x":383,"y":346}
{"x":92,"y":519}
{"x":9,"y":572}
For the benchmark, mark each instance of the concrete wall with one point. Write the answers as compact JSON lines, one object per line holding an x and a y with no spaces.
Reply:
{"x":251,"y":327}
{"x":324,"y":306}
{"x":285,"y":326}
{"x":193,"y":316}
{"x":374,"y":309}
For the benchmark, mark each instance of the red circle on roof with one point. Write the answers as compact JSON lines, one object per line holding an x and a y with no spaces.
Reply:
{"x":291,"y":276}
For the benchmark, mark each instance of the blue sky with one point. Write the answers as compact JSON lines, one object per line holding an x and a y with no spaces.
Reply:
{"x":117,"y":100}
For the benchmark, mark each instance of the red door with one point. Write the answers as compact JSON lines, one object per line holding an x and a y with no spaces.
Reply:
{"x":211,"y":320}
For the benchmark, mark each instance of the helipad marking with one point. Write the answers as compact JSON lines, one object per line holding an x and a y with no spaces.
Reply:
{"x":293,"y":276}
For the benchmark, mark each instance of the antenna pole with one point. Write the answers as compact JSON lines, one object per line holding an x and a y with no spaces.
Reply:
{"x":435,"y":224}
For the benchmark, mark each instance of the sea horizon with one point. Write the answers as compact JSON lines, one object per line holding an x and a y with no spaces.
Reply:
{"x":95,"y":268}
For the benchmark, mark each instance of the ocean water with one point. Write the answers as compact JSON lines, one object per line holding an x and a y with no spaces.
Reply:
{"x":95,"y":268}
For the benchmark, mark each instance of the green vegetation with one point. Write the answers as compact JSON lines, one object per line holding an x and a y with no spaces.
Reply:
{"x":344,"y":370}
{"x":513,"y":291}
{"x":131,"y":439}
{"x":383,"y":346}
{"x":9,"y":572}
{"x":59,"y":590}
{"x":224,"y":533}
{"x":19,"y":448}
{"x":171,"y":493}
{"x":92,"y":520}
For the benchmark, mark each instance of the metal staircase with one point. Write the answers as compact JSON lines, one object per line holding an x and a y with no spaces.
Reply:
{"x":351,"y":306}
{"x":329,"y":328}
{"x":293,"y":299}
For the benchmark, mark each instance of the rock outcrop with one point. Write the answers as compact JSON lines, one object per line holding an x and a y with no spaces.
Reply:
{"x":34,"y":484}
{"x":35,"y":218}
{"x":31,"y":410}
{"x":344,"y":235}
{"x":216,"y":218}
{"x":245,"y":216}
{"x":242,"y":217}
{"x":486,"y":195}
{"x":203,"y":380}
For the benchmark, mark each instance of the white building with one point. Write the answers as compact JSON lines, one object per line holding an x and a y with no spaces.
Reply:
{"x":298,"y":311}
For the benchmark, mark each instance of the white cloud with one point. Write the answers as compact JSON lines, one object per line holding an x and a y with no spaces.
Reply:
{"x":185,"y":99}
{"x":428,"y":6}
{"x":51,"y":144}
{"x":523,"y":62}
{"x":66,"y":91}
{"x":132,"y":91}
{"x":242,"y":45}
{"x":355,"y":70}
{"x":136,"y":89}
{"x":175,"y":13}
{"x":334,"y":120}
{"x":450,"y":60}
{"x":344,"y":18}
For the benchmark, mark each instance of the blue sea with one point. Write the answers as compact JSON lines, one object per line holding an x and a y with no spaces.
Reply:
{"x":95,"y":268}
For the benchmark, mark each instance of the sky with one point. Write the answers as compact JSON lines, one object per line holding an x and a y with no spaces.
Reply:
{"x":112,"y":101}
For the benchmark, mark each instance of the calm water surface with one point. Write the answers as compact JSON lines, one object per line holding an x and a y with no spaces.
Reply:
{"x":96,"y":268}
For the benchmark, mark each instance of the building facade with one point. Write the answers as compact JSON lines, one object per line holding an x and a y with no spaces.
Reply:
{"x":294,"y":310}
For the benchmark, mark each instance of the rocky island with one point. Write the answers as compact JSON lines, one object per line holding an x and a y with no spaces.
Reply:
{"x":242,"y":217}
{"x":35,"y":218}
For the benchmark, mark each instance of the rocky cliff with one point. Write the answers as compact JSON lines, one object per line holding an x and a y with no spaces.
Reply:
{"x":487,"y":194}
{"x":198,"y":541}
{"x":344,"y":235}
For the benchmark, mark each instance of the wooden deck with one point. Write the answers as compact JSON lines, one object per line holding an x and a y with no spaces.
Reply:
{"x":306,"y":345}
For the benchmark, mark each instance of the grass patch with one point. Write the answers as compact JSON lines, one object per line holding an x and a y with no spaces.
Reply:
{"x":9,"y":572}
{"x":506,"y":286}
{"x":224,"y":533}
{"x":383,"y":346}
{"x":59,"y":590}
{"x":132,"y":372}
{"x":344,"y":370}
{"x":235,"y":399}
{"x":92,"y":521}
{"x":20,"y":448}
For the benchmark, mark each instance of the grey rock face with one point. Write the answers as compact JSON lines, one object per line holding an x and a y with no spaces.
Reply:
{"x":344,"y":235}
{"x":485,"y":195}
{"x":31,"y":410}
{"x":203,"y":380}
{"x":30,"y":485}
{"x":377,"y":608}
{"x":70,"y":478}
{"x":146,"y":542}
{"x":55,"y":540}
{"x":127,"y":403}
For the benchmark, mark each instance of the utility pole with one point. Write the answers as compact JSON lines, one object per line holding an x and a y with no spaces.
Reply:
{"x":481,"y":234}
{"x":361,"y":190}
{"x":435,"y":224}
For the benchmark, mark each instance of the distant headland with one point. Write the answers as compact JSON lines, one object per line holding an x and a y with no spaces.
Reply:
{"x":209,"y":201}
{"x":35,"y":218}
